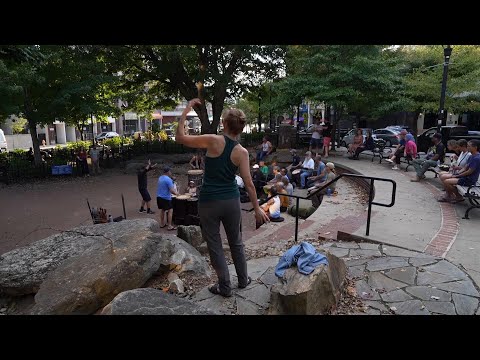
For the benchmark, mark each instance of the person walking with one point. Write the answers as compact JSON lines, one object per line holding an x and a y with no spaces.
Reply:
{"x":165,"y":189}
{"x":219,"y":199}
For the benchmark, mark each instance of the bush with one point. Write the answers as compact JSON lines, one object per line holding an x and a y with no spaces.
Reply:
{"x":113,"y":143}
{"x":76,"y":146}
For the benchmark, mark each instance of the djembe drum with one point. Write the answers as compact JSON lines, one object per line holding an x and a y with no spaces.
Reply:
{"x":179,"y":205}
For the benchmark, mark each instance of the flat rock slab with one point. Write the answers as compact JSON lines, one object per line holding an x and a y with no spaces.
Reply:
{"x":420,"y":261}
{"x":147,"y":301}
{"x":245,"y":307}
{"x":440,"y":307}
{"x":355,"y":262}
{"x":464,"y":305}
{"x":368,"y":246}
{"x":446,"y":268}
{"x":426,"y":293}
{"x":365,"y":253}
{"x":364,"y":291}
{"x":268,"y":278}
{"x":376,"y":305}
{"x":386,"y":263}
{"x":410,"y":307}
{"x":379,"y":281}
{"x":460,"y":287}
{"x":339,"y":252}
{"x":259,"y":295}
{"x":347,"y":245}
{"x":256,"y":267}
{"x":394,"y":251}
{"x":356,"y":271}
{"x":406,"y":275}
{"x":395,"y":296}
{"x":429,"y":277}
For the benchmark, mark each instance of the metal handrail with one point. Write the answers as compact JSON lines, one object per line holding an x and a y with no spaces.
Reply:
{"x":370,"y":197}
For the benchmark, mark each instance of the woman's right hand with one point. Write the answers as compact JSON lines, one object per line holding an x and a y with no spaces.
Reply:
{"x":261,"y":216}
{"x":194,"y":102}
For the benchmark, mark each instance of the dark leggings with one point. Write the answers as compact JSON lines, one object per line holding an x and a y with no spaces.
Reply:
{"x":228,"y":212}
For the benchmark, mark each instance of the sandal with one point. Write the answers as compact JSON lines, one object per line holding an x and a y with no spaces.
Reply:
{"x":161,"y":227}
{"x":172,"y":228}
{"x":249,"y":280}
{"x":443,"y":199}
{"x":215,"y":289}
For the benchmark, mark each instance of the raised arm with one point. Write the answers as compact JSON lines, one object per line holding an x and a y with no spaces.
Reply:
{"x":193,"y":141}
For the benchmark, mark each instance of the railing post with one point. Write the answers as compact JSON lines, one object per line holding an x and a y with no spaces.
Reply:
{"x":296,"y":219}
{"x":370,"y":199}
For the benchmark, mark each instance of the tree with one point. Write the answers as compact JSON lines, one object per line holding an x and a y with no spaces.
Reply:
{"x":18,"y":126}
{"x":211,"y":72}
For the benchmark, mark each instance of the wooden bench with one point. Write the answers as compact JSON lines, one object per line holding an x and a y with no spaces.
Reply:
{"x":472,"y":193}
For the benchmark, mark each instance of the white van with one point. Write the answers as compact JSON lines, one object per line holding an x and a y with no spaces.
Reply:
{"x":3,"y":141}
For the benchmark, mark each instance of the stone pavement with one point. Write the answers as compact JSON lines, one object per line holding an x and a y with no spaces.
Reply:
{"x":417,"y":221}
{"x":388,"y":279}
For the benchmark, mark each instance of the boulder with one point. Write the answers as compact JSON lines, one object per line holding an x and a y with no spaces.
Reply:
{"x":23,"y":270}
{"x":191,"y":234}
{"x":185,"y":258}
{"x":177,"y":286}
{"x":152,"y":302}
{"x":314,"y":294}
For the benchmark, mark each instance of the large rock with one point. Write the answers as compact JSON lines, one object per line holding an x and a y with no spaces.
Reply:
{"x":152,"y":302}
{"x":84,"y":283}
{"x":191,"y":234}
{"x":313,"y":294}
{"x":185,"y":258}
{"x":23,"y":270}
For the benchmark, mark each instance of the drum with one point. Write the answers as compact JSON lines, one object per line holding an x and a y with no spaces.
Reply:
{"x":179,"y":205}
{"x":197,"y":177}
{"x":296,"y":171}
{"x":192,"y":217}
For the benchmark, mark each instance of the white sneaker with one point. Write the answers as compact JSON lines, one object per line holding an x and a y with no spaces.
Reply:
{"x":389,"y":160}
{"x":395,"y":167}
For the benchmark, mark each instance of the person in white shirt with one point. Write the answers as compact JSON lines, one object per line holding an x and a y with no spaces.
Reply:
{"x":272,"y":206}
{"x":307,"y":169}
{"x":265,"y":149}
{"x":316,"y":136}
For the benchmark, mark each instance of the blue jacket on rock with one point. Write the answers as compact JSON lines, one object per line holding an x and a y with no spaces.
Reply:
{"x":305,"y":256}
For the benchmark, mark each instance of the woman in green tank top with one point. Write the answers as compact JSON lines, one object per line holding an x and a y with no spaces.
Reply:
{"x":219,"y":200}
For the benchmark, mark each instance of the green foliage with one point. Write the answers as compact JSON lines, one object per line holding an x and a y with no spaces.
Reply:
{"x":155,"y":127}
{"x":162,"y":135}
{"x":19,"y":125}
{"x":113,"y":143}
{"x":76,"y":146}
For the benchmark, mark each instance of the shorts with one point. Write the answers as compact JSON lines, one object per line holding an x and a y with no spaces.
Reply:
{"x":164,"y":204}
{"x":464,"y":181}
{"x":145,"y":195}
{"x":326,"y":141}
{"x":316,"y":142}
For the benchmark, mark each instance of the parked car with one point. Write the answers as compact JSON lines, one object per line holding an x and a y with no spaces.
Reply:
{"x":348,"y":139}
{"x":399,"y":128}
{"x":3,"y":141}
{"x":451,"y":132}
{"x":391,"y":136}
{"x":107,"y":135}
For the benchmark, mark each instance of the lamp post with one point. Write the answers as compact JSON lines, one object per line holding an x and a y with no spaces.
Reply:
{"x":447,"y":51}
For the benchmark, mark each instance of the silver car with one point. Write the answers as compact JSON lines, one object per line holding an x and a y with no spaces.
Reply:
{"x":348,"y":139}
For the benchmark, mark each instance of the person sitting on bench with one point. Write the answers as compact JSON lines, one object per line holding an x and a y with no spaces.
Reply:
{"x":367,"y":145}
{"x":460,"y":164}
{"x":469,"y":177}
{"x":399,"y":150}
{"x":321,"y":172}
{"x":318,"y":197}
{"x":435,"y":154}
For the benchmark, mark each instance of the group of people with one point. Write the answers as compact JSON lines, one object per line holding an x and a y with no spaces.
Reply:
{"x":321,"y":128}
{"x":406,"y":147}
{"x":82,"y":160}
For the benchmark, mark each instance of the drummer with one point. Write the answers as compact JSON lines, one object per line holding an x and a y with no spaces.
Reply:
{"x":191,"y":189}
{"x":197,"y":161}
{"x":306,"y":170}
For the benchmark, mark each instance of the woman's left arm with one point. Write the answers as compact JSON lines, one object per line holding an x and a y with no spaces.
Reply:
{"x":193,"y":141}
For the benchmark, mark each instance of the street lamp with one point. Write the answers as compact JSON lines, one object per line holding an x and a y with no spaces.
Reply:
{"x":447,"y":51}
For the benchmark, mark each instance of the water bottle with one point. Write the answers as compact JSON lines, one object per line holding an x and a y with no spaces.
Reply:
{"x":329,"y":192}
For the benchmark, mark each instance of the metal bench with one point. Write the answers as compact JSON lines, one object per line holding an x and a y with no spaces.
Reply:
{"x":377,"y":150}
{"x":409,"y":163}
{"x":472,"y":193}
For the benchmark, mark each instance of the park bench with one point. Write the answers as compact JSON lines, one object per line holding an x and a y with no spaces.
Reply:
{"x":378,"y":150}
{"x":472,"y":193}
{"x":409,"y":163}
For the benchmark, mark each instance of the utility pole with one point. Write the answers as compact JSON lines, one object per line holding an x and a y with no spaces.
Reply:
{"x":447,"y":51}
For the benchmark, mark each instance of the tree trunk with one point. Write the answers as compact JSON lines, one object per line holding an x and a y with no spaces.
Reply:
{"x":334,"y":127}
{"x":36,"y":144}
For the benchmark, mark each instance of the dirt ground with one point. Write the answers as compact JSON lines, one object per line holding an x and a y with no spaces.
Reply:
{"x":33,"y":211}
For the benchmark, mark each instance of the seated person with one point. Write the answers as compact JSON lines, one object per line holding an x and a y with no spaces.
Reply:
{"x":460,"y":164}
{"x":272,"y":206}
{"x":263,"y":169}
{"x":283,"y":171}
{"x":321,"y":172}
{"x":466,"y":177}
{"x":369,"y":144}
{"x":317,"y":197}
{"x":294,"y":165}
{"x":258,"y":178}
{"x":272,"y":182}
{"x":284,"y":200}
{"x":191,"y":189}
{"x":400,"y":149}
{"x":357,"y":141}
{"x":265,"y":149}
{"x":288,"y":187}
{"x":434,"y":155}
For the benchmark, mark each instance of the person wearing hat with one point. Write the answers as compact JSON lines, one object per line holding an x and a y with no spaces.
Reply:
{"x":165,"y":189}
{"x":219,"y":199}
{"x":191,"y":189}
{"x":435,"y":154}
{"x":318,"y":196}
{"x":399,"y":150}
